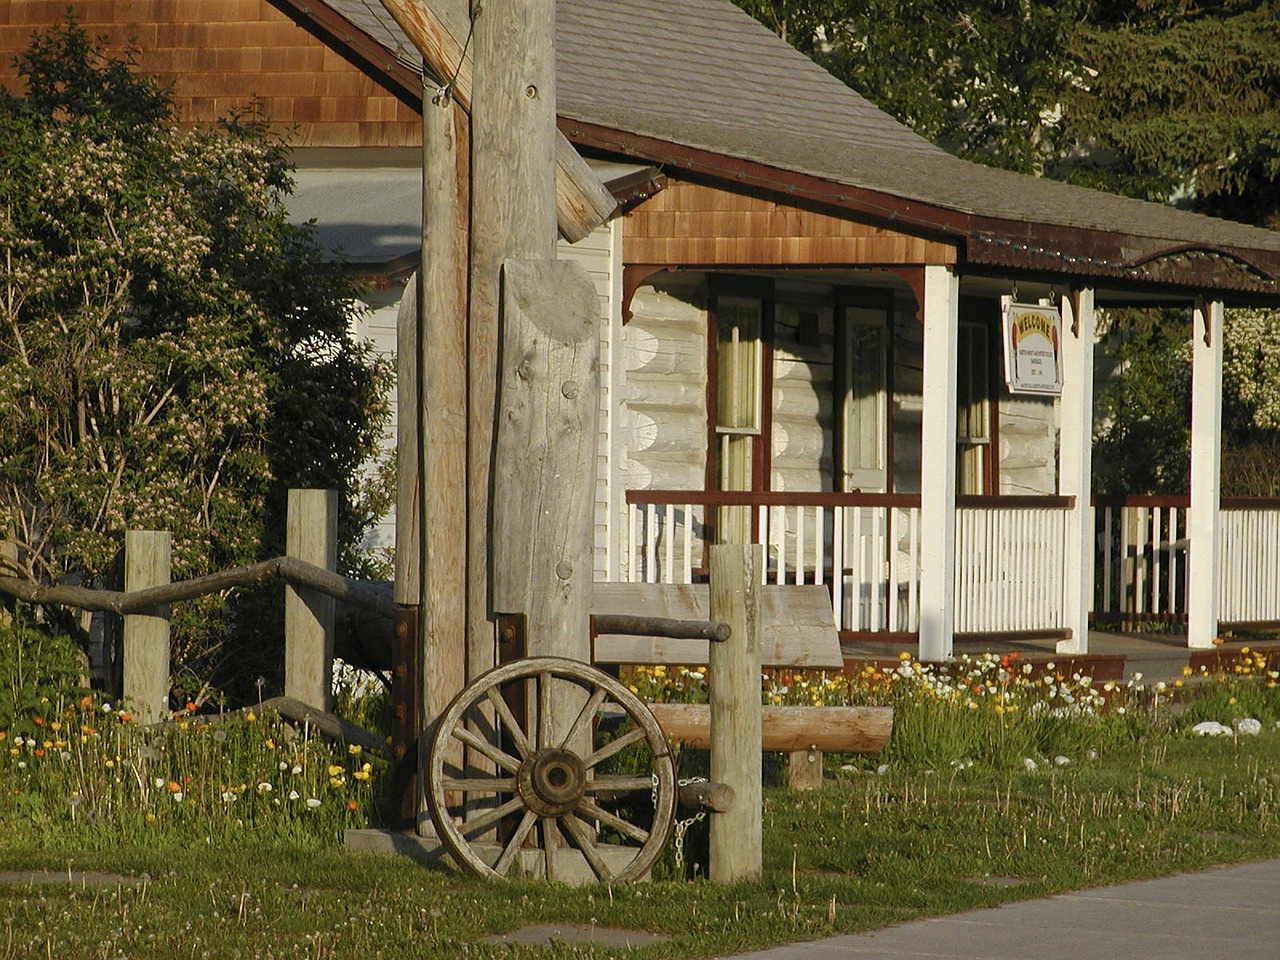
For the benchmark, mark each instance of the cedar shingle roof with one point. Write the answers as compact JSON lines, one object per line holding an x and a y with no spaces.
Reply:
{"x":706,"y":79}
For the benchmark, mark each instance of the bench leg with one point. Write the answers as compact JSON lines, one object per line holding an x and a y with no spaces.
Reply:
{"x":804,"y":770}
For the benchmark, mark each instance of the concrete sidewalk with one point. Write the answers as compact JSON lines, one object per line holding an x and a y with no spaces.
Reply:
{"x":1228,"y":913}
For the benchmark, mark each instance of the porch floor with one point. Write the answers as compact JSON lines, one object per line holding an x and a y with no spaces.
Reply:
{"x":1156,"y":656}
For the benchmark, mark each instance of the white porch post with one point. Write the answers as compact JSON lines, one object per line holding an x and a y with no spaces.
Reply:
{"x":940,"y":314}
{"x":1075,"y":466}
{"x":1206,"y":458}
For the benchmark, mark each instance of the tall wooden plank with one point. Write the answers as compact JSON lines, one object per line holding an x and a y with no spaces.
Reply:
{"x":406,"y":589}
{"x":733,"y":678}
{"x":544,"y":479}
{"x":442,"y":371}
{"x":311,"y":535}
{"x":513,"y":127}
{"x":940,"y":313}
{"x":1203,"y":586}
{"x":146,"y":635}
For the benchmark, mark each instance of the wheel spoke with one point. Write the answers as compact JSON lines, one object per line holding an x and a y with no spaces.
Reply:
{"x":550,"y":840}
{"x":479,"y":784}
{"x":545,"y":717}
{"x":619,"y":784}
{"x":584,"y":717}
{"x":583,"y":840}
{"x":503,"y":759}
{"x":486,"y":820}
{"x":513,"y":728}
{"x":614,"y":746}
{"x":590,"y":808}
{"x":512,"y":848}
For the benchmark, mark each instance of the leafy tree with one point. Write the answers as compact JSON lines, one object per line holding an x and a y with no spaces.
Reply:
{"x":173,"y":353}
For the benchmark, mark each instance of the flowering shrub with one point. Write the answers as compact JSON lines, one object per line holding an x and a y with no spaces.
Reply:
{"x":88,"y":766}
{"x":174,"y":354}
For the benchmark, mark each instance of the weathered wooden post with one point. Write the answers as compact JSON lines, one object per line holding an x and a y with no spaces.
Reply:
{"x":733,"y":678}
{"x":146,"y":635}
{"x":8,"y":568}
{"x":311,"y":535}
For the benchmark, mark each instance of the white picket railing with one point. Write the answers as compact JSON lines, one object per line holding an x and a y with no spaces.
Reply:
{"x":1009,"y":573}
{"x":1249,"y":572}
{"x":1140,"y":562}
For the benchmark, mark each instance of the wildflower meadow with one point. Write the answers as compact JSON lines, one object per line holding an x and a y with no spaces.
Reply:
{"x":219,"y":832}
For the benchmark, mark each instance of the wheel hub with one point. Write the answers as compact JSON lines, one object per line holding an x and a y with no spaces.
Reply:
{"x":551,"y":782}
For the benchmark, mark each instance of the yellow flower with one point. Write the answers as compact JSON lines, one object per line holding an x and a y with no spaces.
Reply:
{"x":269,"y":743}
{"x":335,"y":781}
{"x":334,"y":769}
{"x":354,"y":749}
{"x":1187,"y":671}
{"x":249,"y":716}
{"x":361,"y":774}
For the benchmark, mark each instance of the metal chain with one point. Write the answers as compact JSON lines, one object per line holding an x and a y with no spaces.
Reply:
{"x":681,"y":826}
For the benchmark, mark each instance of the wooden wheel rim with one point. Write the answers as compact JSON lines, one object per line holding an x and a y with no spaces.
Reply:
{"x":556,"y":798}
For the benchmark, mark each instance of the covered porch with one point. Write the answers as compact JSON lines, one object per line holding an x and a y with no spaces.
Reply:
{"x":944,"y":560}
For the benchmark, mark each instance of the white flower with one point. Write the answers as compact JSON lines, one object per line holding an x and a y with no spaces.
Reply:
{"x":283,"y":766}
{"x":312,"y":802}
{"x":297,"y":769}
{"x":1091,"y":755}
{"x":177,"y":797}
{"x":1061,"y":761}
{"x":159,"y":781}
{"x":1030,"y":764}
{"x":228,"y":796}
{"x":882,"y":769}
{"x":294,"y":795}
{"x":264,"y":787}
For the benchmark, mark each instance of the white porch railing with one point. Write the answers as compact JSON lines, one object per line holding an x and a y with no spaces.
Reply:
{"x":1249,"y":539}
{"x":866,"y":549}
{"x":1141,"y":566}
{"x":1009,"y":575}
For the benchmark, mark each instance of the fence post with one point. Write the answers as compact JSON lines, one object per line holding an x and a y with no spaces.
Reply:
{"x":311,"y":536}
{"x":146,"y":635}
{"x":733,"y":677}
{"x":8,"y":567}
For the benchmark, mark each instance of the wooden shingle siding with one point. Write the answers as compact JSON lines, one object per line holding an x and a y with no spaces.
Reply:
{"x":691,"y":223}
{"x":217,"y":55}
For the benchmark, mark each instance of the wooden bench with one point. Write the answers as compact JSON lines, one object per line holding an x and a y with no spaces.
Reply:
{"x":798,"y":631}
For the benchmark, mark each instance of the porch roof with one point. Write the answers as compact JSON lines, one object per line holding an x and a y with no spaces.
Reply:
{"x":699,"y":85}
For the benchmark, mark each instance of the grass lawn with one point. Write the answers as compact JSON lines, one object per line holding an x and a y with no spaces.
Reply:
{"x":870,"y":850}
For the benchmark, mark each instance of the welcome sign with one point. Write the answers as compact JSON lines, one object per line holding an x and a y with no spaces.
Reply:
{"x":1032,"y":348}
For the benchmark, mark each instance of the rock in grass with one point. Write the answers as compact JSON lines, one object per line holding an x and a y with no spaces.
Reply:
{"x":1211,"y":728}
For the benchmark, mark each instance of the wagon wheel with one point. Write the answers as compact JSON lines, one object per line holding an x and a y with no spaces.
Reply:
{"x":542,"y":779}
